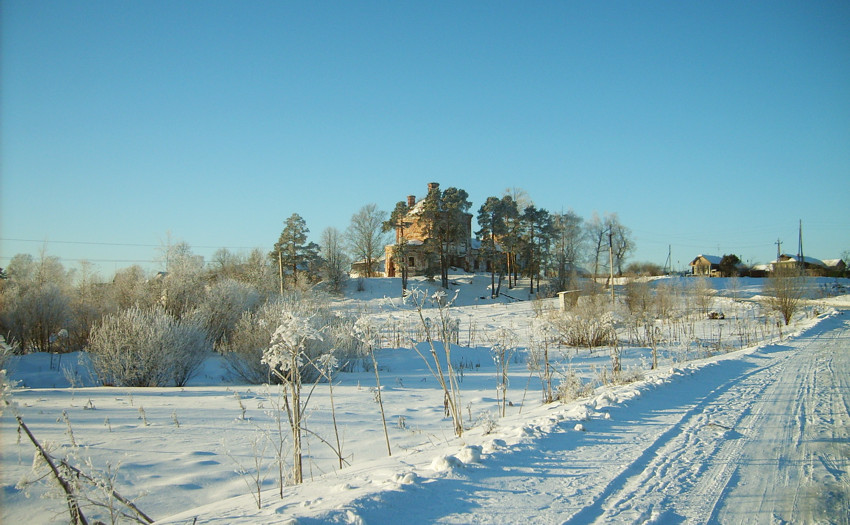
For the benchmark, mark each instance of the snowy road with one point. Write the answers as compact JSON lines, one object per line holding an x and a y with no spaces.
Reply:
{"x":763,"y":438}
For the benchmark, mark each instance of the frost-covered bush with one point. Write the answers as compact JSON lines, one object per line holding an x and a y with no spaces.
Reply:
{"x":572,"y":387}
{"x":251,"y":335}
{"x":147,"y":347}
{"x":629,"y":375}
{"x":224,"y":303}
{"x":638,"y":299}
{"x":588,"y":325}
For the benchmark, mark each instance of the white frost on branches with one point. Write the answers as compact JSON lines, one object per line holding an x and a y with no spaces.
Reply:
{"x":287,"y":343}
{"x":366,"y":332}
{"x":6,"y":387}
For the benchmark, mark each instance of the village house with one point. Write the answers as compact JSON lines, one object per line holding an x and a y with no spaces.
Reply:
{"x":814,"y":267}
{"x":414,"y":232}
{"x":706,"y":265}
{"x":359,"y":268}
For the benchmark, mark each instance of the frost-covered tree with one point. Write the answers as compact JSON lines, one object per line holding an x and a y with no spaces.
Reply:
{"x":597,"y":230}
{"x":621,"y":241}
{"x":36,"y":303}
{"x":224,"y":264}
{"x":181,"y":287}
{"x":222,"y":306}
{"x":366,"y":237}
{"x":335,"y":262}
{"x":259,"y":272}
{"x":131,"y":287}
{"x":285,"y":356}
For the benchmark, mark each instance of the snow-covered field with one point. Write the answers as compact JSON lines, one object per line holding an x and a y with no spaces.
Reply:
{"x":717,"y":433}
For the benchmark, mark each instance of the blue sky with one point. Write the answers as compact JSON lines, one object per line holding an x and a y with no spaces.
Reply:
{"x":711,"y":127}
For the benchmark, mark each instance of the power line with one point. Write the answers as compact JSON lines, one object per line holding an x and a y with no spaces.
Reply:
{"x":125,"y":244}
{"x":93,"y":243}
{"x":7,"y":258}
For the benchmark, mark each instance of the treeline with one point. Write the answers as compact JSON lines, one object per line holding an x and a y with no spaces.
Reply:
{"x":143,"y":330}
{"x":46,"y":307}
{"x":518,"y":238}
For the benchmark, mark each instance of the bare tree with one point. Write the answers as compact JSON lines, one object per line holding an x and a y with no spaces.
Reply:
{"x":567,"y":246}
{"x":784,"y":290}
{"x":703,"y":293}
{"x":621,"y":241}
{"x":366,"y":237}
{"x":597,"y":231}
{"x":334,"y":259}
{"x":609,"y":233}
{"x":88,"y":305}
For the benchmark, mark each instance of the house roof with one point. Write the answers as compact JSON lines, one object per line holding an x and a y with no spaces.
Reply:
{"x":796,"y":258}
{"x":712,"y":259}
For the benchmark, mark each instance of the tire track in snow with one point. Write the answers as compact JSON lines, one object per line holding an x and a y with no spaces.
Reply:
{"x":674,"y":463}
{"x":799,"y":473}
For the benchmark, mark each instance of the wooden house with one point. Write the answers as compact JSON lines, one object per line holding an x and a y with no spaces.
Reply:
{"x":706,"y":265}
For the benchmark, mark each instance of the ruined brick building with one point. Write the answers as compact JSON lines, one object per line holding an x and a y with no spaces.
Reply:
{"x":414,"y":233}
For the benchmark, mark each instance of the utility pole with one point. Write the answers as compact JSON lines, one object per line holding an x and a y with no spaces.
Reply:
{"x":800,"y":251}
{"x":611,"y":263}
{"x":280,"y":269}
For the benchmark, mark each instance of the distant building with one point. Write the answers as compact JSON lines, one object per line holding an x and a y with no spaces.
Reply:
{"x":706,"y":265}
{"x":836,"y":267}
{"x":813,"y":267}
{"x":415,"y":235}
{"x":358,"y":268}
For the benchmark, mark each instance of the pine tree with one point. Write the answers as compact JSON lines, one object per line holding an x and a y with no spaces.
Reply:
{"x":491,"y":219}
{"x":292,"y":252}
{"x":511,"y":238}
{"x":538,"y":235}
{"x":444,"y":214}
{"x":397,"y":223}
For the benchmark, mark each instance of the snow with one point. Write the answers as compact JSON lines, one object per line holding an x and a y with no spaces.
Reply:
{"x":755,"y":434}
